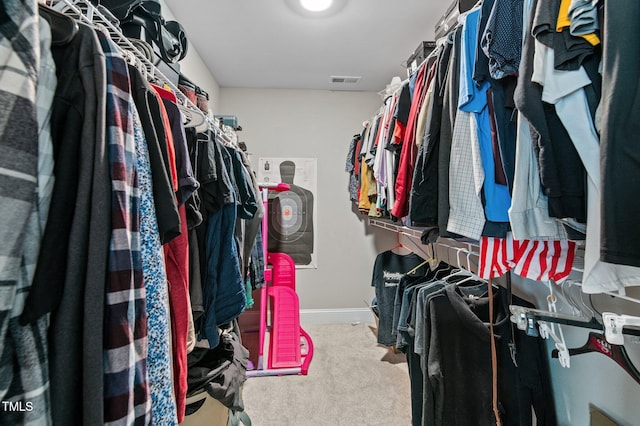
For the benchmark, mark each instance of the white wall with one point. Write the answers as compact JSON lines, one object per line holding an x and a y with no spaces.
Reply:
{"x":193,"y":67}
{"x":318,"y":124}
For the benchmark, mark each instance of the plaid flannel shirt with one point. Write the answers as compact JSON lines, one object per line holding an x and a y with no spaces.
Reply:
{"x":24,"y":382}
{"x":126,"y":383}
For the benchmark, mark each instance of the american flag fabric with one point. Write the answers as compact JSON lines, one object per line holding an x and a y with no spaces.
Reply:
{"x":533,"y":259}
{"x":545,"y":260}
{"x":497,"y":256}
{"x":126,"y":384}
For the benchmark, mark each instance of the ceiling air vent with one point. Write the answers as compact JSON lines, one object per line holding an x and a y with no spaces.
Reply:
{"x":344,"y":79}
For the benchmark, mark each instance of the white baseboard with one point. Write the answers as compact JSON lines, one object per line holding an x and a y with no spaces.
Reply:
{"x":336,"y":316}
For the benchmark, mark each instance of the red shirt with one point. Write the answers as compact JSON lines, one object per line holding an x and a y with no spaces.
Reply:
{"x":409,"y":148}
{"x":162,"y":93}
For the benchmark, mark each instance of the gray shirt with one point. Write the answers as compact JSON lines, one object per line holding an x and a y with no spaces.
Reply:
{"x":584,"y":17}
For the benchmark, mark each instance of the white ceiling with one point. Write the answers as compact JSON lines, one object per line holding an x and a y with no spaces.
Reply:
{"x":265,"y":44}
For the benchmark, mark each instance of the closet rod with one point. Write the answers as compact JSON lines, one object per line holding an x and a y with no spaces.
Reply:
{"x":84,"y":10}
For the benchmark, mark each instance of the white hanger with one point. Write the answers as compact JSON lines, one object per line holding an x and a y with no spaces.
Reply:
{"x":614,"y":325}
{"x":561,"y":346}
{"x":547,"y":331}
{"x":526,"y":318}
{"x":194,"y":118}
{"x":460,"y":269}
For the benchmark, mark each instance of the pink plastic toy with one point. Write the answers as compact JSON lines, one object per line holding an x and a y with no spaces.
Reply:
{"x":280,"y":311}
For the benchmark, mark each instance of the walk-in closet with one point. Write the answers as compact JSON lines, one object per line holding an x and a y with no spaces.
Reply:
{"x":319,"y":212}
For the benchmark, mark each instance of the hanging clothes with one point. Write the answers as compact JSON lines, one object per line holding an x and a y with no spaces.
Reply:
{"x":564,"y":185}
{"x":154,"y":133}
{"x":187,"y":184}
{"x":409,"y":152}
{"x":466,"y":174}
{"x":24,"y":369}
{"x":176,"y":252}
{"x":223,"y":287}
{"x":474,"y":99}
{"x":529,"y":212}
{"x":424,"y":192}
{"x":194,"y":221}
{"x":458,"y":383}
{"x":619,"y":91}
{"x":163,"y":404}
{"x":126,"y":342}
{"x":350,"y":167}
{"x":502,"y":44}
{"x":59,"y":283}
{"x":252,"y":227}
{"x":100,"y":175}
{"x":616,"y":266}
{"x":449,"y":112}
{"x":388,"y":269}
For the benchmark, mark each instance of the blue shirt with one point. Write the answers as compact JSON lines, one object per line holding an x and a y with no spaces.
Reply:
{"x":412,"y":83}
{"x":473,"y":98}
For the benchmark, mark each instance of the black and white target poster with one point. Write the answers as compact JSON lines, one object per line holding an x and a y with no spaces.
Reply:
{"x":292,"y":214}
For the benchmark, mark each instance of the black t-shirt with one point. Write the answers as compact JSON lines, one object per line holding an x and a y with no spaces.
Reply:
{"x":187,"y":183}
{"x":163,"y":196}
{"x":403,"y":107}
{"x":388,"y":270}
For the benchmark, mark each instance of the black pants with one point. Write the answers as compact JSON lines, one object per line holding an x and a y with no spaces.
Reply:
{"x":416,"y":379}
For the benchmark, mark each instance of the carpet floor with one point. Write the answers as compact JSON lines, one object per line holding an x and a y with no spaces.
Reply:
{"x":352,"y":381}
